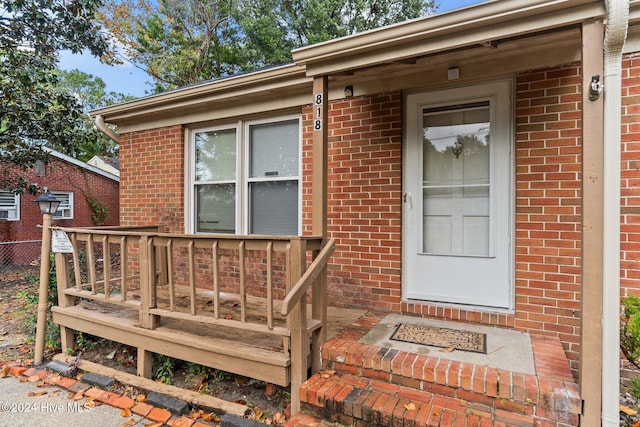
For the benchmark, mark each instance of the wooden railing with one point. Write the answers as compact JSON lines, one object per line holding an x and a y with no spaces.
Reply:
{"x":168,"y":276}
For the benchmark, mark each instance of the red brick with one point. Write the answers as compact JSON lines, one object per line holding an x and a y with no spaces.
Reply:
{"x":66,"y":382}
{"x":159,"y":415}
{"x":182,"y":422}
{"x":142,"y":409}
{"x":123,"y":402}
{"x":94,"y":393}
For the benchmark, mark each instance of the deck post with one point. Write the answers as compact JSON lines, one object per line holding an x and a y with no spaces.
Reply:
{"x":319,"y":312}
{"x":145,"y":363}
{"x":64,"y":300}
{"x":297,"y":321}
{"x":147,"y":282}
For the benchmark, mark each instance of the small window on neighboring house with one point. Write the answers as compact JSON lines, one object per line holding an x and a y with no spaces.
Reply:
{"x":9,"y":206}
{"x":65,"y":209}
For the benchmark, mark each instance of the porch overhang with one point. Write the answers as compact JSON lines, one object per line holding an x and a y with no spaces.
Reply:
{"x":482,"y":25}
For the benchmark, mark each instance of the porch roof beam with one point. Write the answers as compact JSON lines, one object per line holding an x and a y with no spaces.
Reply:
{"x":484,"y":23}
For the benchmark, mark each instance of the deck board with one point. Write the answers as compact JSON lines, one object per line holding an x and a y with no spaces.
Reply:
{"x":247,"y":353}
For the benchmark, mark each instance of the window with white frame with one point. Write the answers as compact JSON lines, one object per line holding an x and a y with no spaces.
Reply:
{"x":9,"y":206}
{"x":245,"y":178}
{"x":65,"y":209}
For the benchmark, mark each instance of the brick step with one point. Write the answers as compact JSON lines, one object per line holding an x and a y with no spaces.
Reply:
{"x":358,"y":401}
{"x":550,"y":396}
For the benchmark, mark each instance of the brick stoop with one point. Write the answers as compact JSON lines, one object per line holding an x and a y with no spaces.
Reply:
{"x":366,"y":385}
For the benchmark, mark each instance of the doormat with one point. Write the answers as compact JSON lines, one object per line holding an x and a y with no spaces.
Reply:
{"x":441,"y":337}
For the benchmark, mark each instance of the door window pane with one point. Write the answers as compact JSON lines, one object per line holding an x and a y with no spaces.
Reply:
{"x":456,"y":180}
{"x":216,"y":208}
{"x":274,"y":207}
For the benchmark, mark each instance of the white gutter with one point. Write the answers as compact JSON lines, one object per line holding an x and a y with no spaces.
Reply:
{"x":102,"y":127}
{"x":615,"y":34}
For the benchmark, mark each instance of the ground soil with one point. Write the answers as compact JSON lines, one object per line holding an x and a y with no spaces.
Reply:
{"x":18,"y":303}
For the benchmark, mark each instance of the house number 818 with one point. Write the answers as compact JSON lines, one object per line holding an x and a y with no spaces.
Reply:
{"x":317,"y":124}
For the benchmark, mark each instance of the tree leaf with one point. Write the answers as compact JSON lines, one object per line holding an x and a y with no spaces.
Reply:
{"x":410,"y":406}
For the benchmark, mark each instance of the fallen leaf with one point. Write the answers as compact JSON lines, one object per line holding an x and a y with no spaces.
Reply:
{"x":4,"y":372}
{"x":209,"y":417}
{"x":228,"y":316}
{"x":36,"y":393}
{"x":627,"y":410}
{"x":78,"y":396}
{"x":447,"y":350}
{"x":33,"y":379}
{"x":153,"y":425}
{"x":279,"y":418}
{"x":241,"y":402}
{"x":257,"y":413}
{"x":327,"y":373}
{"x":410,"y":406}
{"x":111,"y":355}
{"x":129,"y":422}
{"x":141,"y":398}
{"x":125,"y":412}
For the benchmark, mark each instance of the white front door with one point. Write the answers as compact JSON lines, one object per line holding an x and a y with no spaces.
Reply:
{"x":458,"y":196}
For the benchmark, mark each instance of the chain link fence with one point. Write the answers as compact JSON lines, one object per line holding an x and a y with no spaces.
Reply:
{"x":20,"y":253}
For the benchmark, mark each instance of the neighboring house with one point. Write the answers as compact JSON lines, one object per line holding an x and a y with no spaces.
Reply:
{"x":107,"y":164}
{"x":88,"y":195}
{"x":465,"y":163}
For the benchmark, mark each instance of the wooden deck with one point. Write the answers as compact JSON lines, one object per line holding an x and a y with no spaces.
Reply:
{"x":250,"y":305}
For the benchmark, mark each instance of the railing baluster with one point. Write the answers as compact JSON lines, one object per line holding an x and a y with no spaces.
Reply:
{"x":91,"y":264}
{"x":270,"y":285}
{"x":77,"y":270}
{"x":172,"y":290}
{"x":124,"y":268}
{"x":192,"y":277}
{"x":216,"y":281}
{"x":106,"y":265}
{"x":243,"y":285}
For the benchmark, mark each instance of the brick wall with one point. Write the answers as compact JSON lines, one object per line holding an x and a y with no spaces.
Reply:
{"x":64,"y":177}
{"x":548,"y":205}
{"x":152,"y":178}
{"x":630,"y":185}
{"x":364,"y":194}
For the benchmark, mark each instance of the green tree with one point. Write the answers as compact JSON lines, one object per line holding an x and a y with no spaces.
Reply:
{"x":182,"y":42}
{"x":34,"y":109}
{"x":177,"y":42}
{"x":91,"y":92}
{"x":272,"y":28}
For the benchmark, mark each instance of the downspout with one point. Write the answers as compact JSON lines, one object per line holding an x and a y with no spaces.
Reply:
{"x":615,"y":35}
{"x":102,"y":127}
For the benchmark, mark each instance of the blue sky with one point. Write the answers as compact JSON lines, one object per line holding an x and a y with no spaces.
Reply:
{"x":130,"y":80}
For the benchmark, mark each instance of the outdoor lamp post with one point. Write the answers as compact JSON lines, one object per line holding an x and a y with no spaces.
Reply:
{"x":48,"y":205}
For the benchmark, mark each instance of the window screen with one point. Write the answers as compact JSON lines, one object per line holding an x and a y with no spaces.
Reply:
{"x":9,"y":206}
